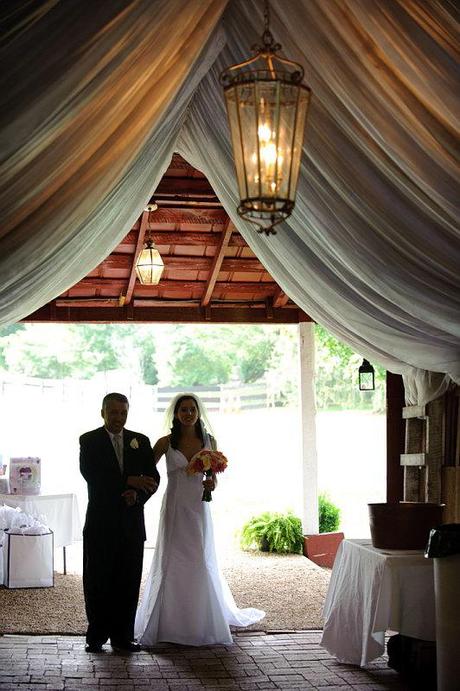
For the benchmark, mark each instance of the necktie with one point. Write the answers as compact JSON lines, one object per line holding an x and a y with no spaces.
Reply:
{"x":118,"y":450}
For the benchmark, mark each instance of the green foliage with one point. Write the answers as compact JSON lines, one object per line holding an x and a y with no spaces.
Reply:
{"x":188,"y":356}
{"x":337,"y":377}
{"x":96,"y":348}
{"x":5,"y":333}
{"x":273,"y":532}
{"x":148,"y":367}
{"x":328,"y":514}
{"x":255,"y":360}
{"x":200,"y":363}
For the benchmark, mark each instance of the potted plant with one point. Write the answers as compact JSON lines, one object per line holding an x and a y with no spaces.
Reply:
{"x":322,"y":548}
{"x":273,"y":532}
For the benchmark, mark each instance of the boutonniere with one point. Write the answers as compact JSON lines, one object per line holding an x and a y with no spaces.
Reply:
{"x":134,"y":444}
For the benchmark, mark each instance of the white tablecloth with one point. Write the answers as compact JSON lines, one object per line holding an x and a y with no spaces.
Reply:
{"x":60,"y":510}
{"x":372,"y":591}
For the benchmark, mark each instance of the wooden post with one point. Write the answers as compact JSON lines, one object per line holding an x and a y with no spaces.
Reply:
{"x":308,"y":421}
{"x":395,"y":437}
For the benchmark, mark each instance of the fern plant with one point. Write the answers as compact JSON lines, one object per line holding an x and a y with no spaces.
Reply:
{"x":273,"y":532}
{"x":328,"y":515}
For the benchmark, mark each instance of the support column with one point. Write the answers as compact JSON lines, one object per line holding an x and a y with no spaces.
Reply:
{"x":308,"y":422}
{"x":395,"y":437}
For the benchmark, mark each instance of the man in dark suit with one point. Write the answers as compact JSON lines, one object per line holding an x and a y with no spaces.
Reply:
{"x":119,"y":469}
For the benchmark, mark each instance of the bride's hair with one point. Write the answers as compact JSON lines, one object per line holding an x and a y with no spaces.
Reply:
{"x":202,"y":425}
{"x":176,"y":426}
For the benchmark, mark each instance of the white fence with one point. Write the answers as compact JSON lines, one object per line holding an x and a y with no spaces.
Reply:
{"x":222,"y":398}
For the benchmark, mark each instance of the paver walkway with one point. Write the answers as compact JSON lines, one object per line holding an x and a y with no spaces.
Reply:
{"x":255,"y":662}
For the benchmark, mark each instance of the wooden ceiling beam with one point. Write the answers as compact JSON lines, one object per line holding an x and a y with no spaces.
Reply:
{"x":187,"y":263}
{"x":182,"y":237}
{"x":184,"y":186}
{"x":217,"y":263}
{"x":107,"y":315}
{"x":126,"y":298}
{"x":96,"y":282}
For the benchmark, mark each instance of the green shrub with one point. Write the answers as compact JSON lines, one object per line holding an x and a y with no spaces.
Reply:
{"x":328,"y":514}
{"x":273,"y":532}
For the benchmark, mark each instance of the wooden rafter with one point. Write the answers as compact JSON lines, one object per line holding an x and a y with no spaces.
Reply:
{"x":139,"y":245}
{"x":187,"y":263}
{"x":211,"y":273}
{"x":280,"y":299}
{"x":217,"y":263}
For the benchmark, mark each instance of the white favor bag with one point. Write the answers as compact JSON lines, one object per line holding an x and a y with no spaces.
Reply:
{"x":28,"y":560}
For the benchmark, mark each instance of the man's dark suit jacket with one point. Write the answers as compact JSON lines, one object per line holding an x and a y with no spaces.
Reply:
{"x":107,"y":512}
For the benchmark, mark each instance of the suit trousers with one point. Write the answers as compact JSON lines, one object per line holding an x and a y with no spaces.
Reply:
{"x":112,"y":571}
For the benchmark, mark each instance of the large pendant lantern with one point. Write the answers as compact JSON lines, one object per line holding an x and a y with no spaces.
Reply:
{"x":267,"y":107}
{"x":149,"y":265}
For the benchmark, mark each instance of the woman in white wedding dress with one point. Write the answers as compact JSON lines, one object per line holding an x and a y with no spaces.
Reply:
{"x":186,"y":598}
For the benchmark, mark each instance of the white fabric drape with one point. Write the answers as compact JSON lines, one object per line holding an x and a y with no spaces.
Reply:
{"x":91,"y":105}
{"x":91,"y":115}
{"x":372,"y":249}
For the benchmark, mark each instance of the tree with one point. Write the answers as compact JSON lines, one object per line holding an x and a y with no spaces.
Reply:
{"x":255,"y":360}
{"x":5,"y":333}
{"x":337,"y":375}
{"x":148,"y":366}
{"x":196,"y":364}
{"x":95,"y":349}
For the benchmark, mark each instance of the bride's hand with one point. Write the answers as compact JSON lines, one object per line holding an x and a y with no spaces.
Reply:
{"x":145,"y":483}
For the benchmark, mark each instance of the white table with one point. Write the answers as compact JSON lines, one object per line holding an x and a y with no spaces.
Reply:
{"x":60,"y":511}
{"x":372,"y":591}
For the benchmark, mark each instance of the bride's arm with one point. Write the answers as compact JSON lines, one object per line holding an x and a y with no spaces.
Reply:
{"x":160,"y":448}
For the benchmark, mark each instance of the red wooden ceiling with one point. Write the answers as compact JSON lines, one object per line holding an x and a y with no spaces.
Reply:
{"x":210,"y":272}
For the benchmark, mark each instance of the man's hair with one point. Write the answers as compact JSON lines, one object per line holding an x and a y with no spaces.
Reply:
{"x":121,"y":398}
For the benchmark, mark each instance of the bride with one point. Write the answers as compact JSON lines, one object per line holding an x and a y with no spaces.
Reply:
{"x":186,"y":599}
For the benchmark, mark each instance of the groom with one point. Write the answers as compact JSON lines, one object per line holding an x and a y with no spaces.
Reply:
{"x":119,"y":469}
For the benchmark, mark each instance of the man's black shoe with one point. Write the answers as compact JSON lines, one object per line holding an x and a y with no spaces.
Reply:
{"x":126,"y":646}
{"x":93,"y":648}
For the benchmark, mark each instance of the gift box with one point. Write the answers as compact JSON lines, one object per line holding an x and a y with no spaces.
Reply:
{"x":25,"y":475}
{"x":28,"y":560}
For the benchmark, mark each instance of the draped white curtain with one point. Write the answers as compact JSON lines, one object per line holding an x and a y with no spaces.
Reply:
{"x":93,"y":114}
{"x":92,"y":100}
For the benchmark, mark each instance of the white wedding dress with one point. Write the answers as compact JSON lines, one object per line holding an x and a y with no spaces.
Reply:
{"x":186,"y":599}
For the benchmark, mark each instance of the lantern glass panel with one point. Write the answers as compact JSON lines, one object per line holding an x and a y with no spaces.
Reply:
{"x":304,"y":95}
{"x":270,"y":157}
{"x":232,"y":99}
{"x":366,"y":381}
{"x":248,"y":134}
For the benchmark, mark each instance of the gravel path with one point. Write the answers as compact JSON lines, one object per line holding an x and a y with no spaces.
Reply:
{"x":290,"y":589}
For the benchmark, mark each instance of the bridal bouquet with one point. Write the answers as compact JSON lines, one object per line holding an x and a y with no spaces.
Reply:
{"x":207,"y":462}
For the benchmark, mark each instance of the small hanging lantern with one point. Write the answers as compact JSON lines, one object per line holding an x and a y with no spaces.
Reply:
{"x":149,"y":264}
{"x":267,"y":107}
{"x":366,"y":376}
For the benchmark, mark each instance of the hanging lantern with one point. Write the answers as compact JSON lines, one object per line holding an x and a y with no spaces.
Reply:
{"x":366,"y":377}
{"x":149,"y":265}
{"x":267,"y":107}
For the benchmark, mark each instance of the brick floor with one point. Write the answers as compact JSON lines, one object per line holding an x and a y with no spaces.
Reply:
{"x":256,"y":662}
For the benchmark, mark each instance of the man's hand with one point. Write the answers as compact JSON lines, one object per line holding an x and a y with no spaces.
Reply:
{"x":144,"y":483}
{"x":130,"y":497}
